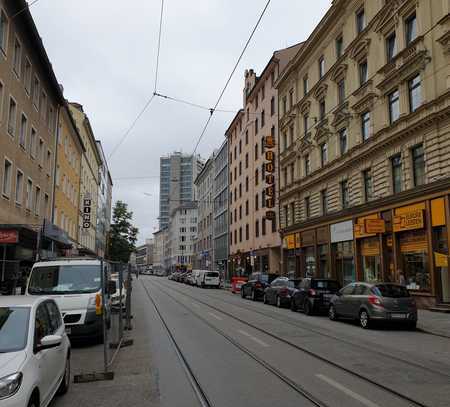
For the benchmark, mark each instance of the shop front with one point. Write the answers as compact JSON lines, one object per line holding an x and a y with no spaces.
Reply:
{"x":341,"y":235}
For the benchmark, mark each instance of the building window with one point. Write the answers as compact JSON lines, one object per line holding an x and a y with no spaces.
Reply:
{"x":235,"y":237}
{"x":27,"y":76}
{"x":256,"y":101}
{"x":307,"y":165}
{"x":307,"y":206}
{"x":235,"y":152}
{"x":321,"y":67}
{"x":365,"y":126}
{"x":12,"y":117}
{"x":394,"y":106}
{"x":263,"y":226}
{"x":368,"y":185}
{"x":256,"y":202}
{"x":291,"y":135}
{"x":411,"y":29}
{"x":323,"y":154}
{"x":256,"y":176}
{"x":322,"y":111}
{"x":343,"y":141}
{"x":246,"y":184}
{"x":285,"y":141}
{"x":415,"y":94}
{"x":391,"y":47}
{"x":17,"y":57}
{"x":396,"y":164}
{"x":247,"y":232}
{"x":40,"y":156}
{"x":292,"y":213}
{"x":341,"y":91}
{"x":256,"y":151}
{"x":240,"y":234}
{"x":263,"y":91}
{"x":345,"y":194}
{"x":292,"y":173}
{"x":272,"y":106}
{"x":272,"y":131}
{"x":360,"y":21}
{"x":23,"y":131}
{"x":35,"y":92}
{"x":274,"y":225}
{"x":3,"y":31}
{"x":29,"y":194}
{"x":46,"y":202}
{"x":256,"y":126}
{"x":284,"y":105}
{"x":240,"y":146}
{"x":246,"y":137}
{"x":363,"y":73}
{"x":305,"y":124}
{"x":291,"y":98}
{"x":19,"y":187}
{"x":240,"y":168}
{"x":248,"y":114}
{"x":247,"y":209}
{"x":257,"y":228}
{"x":305,"y":86}
{"x":418,"y":161}
{"x":231,"y":158}
{"x":324,"y":201}
{"x":339,"y":46}
{"x":240,"y":190}
{"x":263,"y":119}
{"x":262,"y":148}
{"x":37,"y":201}
{"x":263,"y":199}
{"x":7,"y":178}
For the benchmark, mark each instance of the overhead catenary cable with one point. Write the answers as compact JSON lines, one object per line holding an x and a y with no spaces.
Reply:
{"x":25,"y":8}
{"x":230,"y":77}
{"x":126,"y":134}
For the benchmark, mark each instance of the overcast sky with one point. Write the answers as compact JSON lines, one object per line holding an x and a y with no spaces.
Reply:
{"x":104,"y":53}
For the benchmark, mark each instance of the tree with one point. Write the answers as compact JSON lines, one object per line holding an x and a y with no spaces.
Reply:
{"x":123,"y":235}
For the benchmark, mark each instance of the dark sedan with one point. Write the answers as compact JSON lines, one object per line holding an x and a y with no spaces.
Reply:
{"x":280,"y":291}
{"x":314,"y":295}
{"x":256,"y":285}
{"x":369,"y":303}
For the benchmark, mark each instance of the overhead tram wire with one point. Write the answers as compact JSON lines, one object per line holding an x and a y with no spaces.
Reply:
{"x":230,"y":77}
{"x":126,"y":134}
{"x":25,"y":8}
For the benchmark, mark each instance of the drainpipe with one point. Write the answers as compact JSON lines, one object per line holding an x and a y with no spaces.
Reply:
{"x":57,"y":133}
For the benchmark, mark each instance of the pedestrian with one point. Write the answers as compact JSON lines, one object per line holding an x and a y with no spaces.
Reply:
{"x":401,"y":278}
{"x":137,"y":273}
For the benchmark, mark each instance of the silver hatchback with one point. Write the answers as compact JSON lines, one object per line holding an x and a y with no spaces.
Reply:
{"x":369,"y":303}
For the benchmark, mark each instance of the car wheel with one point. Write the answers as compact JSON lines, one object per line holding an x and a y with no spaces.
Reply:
{"x":293,"y":306}
{"x":65,"y":384}
{"x":364,"y":319}
{"x":332,"y":314}
{"x":264,"y":298}
{"x":253,"y":295}
{"x":307,"y":307}
{"x":278,"y":302}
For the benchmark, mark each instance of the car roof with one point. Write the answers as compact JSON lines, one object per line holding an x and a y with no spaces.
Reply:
{"x":69,"y":261}
{"x":20,"y":300}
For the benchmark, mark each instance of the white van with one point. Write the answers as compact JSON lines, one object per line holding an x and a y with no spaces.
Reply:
{"x":75,"y":285}
{"x":207,"y":278}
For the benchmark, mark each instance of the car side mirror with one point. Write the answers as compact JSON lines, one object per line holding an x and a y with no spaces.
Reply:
{"x":112,"y":287}
{"x":49,"y":342}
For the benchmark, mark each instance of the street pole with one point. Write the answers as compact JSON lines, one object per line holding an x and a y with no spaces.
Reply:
{"x":105,"y":351}
{"x":3,"y":263}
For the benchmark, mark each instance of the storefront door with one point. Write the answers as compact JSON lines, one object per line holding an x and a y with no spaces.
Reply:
{"x":345,"y":265}
{"x":441,"y":262}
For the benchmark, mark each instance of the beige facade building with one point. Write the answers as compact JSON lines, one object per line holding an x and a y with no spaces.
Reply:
{"x":90,"y":165}
{"x":254,"y":240}
{"x":365,"y":147}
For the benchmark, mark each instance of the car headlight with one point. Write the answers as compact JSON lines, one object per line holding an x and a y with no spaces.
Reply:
{"x":9,"y":385}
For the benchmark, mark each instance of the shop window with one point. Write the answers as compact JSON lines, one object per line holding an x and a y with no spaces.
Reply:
{"x":411,"y":29}
{"x":415,"y":273}
{"x":344,"y":263}
{"x":418,"y":164}
{"x":415,"y":93}
{"x":371,"y":260}
{"x":396,"y":164}
{"x":309,"y":262}
{"x":324,"y":267}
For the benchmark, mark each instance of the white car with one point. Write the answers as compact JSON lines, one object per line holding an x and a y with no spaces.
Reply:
{"x":34,"y":352}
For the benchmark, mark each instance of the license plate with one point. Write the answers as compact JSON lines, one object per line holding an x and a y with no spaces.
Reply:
{"x":68,"y":330}
{"x":398,"y":316}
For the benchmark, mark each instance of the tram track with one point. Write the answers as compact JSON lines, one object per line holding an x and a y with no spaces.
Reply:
{"x":313,"y":354}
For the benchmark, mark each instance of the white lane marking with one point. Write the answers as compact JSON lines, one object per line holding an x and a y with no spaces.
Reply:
{"x":347,"y":391}
{"x":195,"y":305}
{"x":215,"y":316}
{"x":254,"y":338}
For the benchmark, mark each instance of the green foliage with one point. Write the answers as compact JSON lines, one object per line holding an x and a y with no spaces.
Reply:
{"x":123,"y":235}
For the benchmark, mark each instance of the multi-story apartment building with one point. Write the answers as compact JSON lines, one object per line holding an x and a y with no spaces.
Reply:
{"x":220,"y":223}
{"x":103,"y":204}
{"x":158,"y":251}
{"x":182,"y":236}
{"x":90,"y":173}
{"x":67,"y":175}
{"x":177,"y":174}
{"x":30,"y":98}
{"x":144,"y":255}
{"x":365,"y":147}
{"x":204,"y":187}
{"x":254,"y":237}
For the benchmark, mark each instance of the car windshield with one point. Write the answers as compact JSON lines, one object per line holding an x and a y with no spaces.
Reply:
{"x":13,"y":328}
{"x":77,"y":279}
{"x":390,"y":291}
{"x":212,"y":274}
{"x":325,"y":284}
{"x":294,"y":283}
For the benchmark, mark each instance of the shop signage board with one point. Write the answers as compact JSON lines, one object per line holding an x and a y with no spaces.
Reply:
{"x":409,"y":221}
{"x":87,"y":208}
{"x":341,"y":232}
{"x":290,"y":242}
{"x":308,"y":238}
{"x":269,"y":166}
{"x":374,"y":226}
{"x":441,"y":260}
{"x":297,"y":241}
{"x":9,"y":236}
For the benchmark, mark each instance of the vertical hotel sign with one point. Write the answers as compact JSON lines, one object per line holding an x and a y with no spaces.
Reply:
{"x":270,"y":176}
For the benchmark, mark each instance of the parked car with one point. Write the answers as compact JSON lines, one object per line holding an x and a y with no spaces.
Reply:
{"x":184,"y":278}
{"x":190,"y":280}
{"x":75,"y":284}
{"x":280,"y":291}
{"x":256,"y":285}
{"x":369,"y":303}
{"x":34,"y":351}
{"x":314,"y":295}
{"x":207,"y":278}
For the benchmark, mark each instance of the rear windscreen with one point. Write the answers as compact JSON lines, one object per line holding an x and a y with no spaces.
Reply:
{"x":212,"y":274}
{"x":390,"y":291}
{"x":325,"y":285}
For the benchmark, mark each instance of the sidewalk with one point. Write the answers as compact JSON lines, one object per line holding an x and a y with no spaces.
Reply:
{"x":436,"y":323}
{"x":133,"y":384}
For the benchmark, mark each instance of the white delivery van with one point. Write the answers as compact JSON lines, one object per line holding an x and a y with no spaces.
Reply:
{"x":75,"y":285}
{"x":207,"y":278}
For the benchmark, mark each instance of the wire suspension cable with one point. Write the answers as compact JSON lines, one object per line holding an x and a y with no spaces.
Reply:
{"x":159,"y":45}
{"x":231,"y":75}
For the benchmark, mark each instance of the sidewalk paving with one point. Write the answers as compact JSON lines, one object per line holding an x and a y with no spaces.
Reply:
{"x":435,"y":323}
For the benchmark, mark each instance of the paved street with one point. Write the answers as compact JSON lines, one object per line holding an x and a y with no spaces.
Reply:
{"x":242,"y":353}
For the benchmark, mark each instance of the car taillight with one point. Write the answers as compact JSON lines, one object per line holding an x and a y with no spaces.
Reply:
{"x":374,"y":300}
{"x":258,"y":285}
{"x":312,"y":292}
{"x":284,"y":291}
